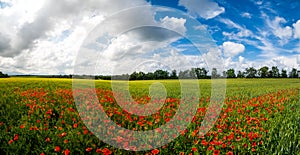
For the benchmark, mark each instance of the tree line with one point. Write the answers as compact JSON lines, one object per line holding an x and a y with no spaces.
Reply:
{"x":193,"y":73}
{"x":203,"y":73}
{"x":2,"y":75}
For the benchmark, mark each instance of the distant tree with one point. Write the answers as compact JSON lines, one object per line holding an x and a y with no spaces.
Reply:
{"x":274,"y":72}
{"x":161,"y":74}
{"x":198,"y":72}
{"x":118,"y":77}
{"x":133,"y":76}
{"x":224,"y":74}
{"x":230,"y":73}
{"x":173,"y":74}
{"x":2,"y":75}
{"x":263,"y":72}
{"x":284,"y":73}
{"x":240,"y":74}
{"x":214,"y":73}
{"x":250,"y":72}
{"x":294,"y":73}
{"x":201,"y":73}
{"x":140,"y":76}
{"x":193,"y":73}
{"x":149,"y":76}
{"x":187,"y":74}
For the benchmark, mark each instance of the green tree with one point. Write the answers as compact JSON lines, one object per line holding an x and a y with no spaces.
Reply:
{"x":251,"y":72}
{"x":2,"y":75}
{"x":230,"y":73}
{"x":140,"y":76}
{"x":201,"y":73}
{"x":161,"y":74}
{"x":187,"y":74}
{"x":133,"y":76}
{"x":149,"y":76}
{"x":294,"y":73}
{"x":240,"y":74}
{"x":274,"y":72}
{"x":214,"y":73}
{"x":263,"y":72}
{"x":173,"y":74}
{"x":284,"y":73}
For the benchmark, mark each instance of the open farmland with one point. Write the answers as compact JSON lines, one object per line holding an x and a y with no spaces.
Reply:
{"x":39,"y":116}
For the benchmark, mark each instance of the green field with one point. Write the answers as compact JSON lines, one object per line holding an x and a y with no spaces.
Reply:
{"x":38,"y":115}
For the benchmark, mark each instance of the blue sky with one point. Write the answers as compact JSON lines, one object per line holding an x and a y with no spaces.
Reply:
{"x":46,"y":37}
{"x":255,"y":17}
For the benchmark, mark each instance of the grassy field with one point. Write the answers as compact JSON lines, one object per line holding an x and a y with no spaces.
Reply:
{"x":39,"y":116}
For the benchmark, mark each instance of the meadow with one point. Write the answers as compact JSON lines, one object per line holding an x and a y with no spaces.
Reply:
{"x":259,"y":116}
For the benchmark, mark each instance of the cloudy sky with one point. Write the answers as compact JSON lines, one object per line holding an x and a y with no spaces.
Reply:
{"x":54,"y":37}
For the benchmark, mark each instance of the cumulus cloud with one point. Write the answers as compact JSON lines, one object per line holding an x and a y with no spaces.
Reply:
{"x":232,"y":49}
{"x":297,"y":29}
{"x":48,"y":15}
{"x":282,"y":62}
{"x":202,"y":8}
{"x":283,"y":33}
{"x":4,"y":42}
{"x":134,"y":43}
{"x":50,"y":34}
{"x":176,"y":24}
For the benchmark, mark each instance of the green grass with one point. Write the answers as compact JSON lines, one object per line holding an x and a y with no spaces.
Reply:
{"x":234,"y":86}
{"x":276,"y":99}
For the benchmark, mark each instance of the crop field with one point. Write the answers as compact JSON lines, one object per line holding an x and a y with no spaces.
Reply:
{"x":39,"y":116}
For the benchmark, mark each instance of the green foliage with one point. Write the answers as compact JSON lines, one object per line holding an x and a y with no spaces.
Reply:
{"x":259,"y":116}
{"x":2,"y":75}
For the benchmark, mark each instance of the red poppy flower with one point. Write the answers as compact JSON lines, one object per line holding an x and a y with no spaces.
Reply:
{"x":67,"y":152}
{"x":98,"y":151}
{"x":48,"y":139}
{"x":89,"y":149}
{"x":203,"y":142}
{"x":85,"y":132}
{"x":11,"y":141}
{"x":210,"y":148}
{"x":63,"y":134}
{"x":57,"y":149}
{"x":22,"y":126}
{"x":229,"y":153}
{"x":216,"y":152}
{"x":106,"y":151}
{"x":194,"y":149}
{"x":155,"y":151}
{"x":16,"y":137}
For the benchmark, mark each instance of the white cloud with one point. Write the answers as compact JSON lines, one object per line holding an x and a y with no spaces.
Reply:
{"x":243,"y":32}
{"x":282,"y":62}
{"x":259,"y":2}
{"x":246,"y":15}
{"x":26,"y":22}
{"x":283,"y":33}
{"x":202,"y":8}
{"x":175,"y":24}
{"x":297,"y":29}
{"x":43,"y":37}
{"x":49,"y":39}
{"x":201,"y":27}
{"x":232,"y":49}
